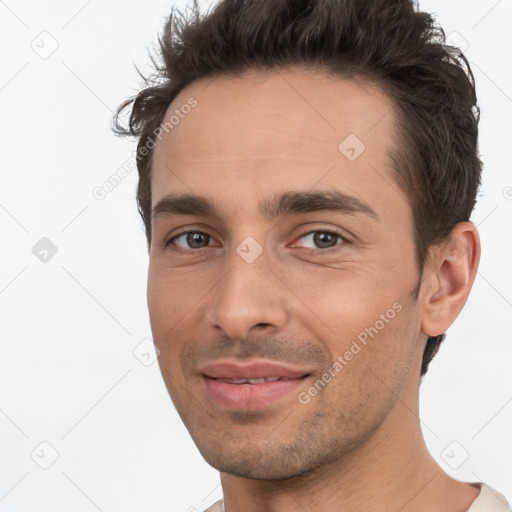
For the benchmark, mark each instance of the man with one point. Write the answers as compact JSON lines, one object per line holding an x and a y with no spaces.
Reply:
{"x":307,"y":175}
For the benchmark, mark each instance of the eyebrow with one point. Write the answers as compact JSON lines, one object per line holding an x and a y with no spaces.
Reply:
{"x":282,"y":204}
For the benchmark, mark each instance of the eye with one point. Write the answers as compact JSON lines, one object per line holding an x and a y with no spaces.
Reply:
{"x":191,"y":240}
{"x":321,"y":239}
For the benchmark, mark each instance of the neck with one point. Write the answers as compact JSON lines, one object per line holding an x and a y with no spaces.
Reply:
{"x":392,"y":470}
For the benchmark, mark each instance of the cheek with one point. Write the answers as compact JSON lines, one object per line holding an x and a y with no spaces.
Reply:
{"x":168,"y":318}
{"x":374,"y":356}
{"x":162,"y":309}
{"x":172,"y":295}
{"x":347,"y":303}
{"x":169,"y":308}
{"x":366,"y":321}
{"x":176,"y":300}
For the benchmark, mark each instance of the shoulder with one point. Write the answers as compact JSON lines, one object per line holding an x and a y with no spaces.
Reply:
{"x":489,"y":500}
{"x":218,"y":506}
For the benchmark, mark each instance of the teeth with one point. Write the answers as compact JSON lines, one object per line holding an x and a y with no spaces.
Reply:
{"x":250,"y":381}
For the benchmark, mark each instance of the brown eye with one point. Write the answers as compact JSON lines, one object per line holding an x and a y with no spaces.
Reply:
{"x":191,"y":240}
{"x":321,"y":239}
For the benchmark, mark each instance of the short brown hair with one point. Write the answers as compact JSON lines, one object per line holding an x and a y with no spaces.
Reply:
{"x":391,"y":42}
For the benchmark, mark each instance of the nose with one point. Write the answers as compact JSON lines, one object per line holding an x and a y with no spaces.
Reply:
{"x":248,"y":299}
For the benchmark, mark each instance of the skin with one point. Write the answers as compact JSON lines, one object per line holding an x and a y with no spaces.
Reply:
{"x":357,"y":444}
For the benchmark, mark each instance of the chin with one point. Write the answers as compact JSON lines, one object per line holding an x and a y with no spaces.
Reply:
{"x":265,"y":472}
{"x":270,"y":463}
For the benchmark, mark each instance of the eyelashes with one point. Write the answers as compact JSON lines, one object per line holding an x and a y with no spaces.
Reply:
{"x":332,"y":233}
{"x":189,"y":234}
{"x":192,"y":237}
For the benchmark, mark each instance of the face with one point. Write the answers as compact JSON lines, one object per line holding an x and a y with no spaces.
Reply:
{"x":280,"y":288}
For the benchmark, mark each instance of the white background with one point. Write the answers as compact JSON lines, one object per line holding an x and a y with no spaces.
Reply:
{"x":69,"y":327}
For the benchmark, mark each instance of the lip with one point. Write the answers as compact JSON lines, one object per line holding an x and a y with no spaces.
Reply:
{"x":252,"y":370}
{"x":247,"y":396}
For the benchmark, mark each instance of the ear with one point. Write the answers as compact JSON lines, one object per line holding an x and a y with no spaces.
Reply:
{"x":449,"y":278}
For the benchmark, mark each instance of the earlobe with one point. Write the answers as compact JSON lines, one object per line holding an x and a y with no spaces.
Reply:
{"x":452,"y":271}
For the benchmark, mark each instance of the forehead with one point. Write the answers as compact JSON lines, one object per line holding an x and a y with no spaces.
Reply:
{"x":273,"y":129}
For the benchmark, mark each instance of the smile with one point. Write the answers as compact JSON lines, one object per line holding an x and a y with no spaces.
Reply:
{"x":251,"y":381}
{"x":249,"y":387}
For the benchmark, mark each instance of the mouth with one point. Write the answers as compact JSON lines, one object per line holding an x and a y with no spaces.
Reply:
{"x":251,"y":381}
{"x":249,"y":387}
